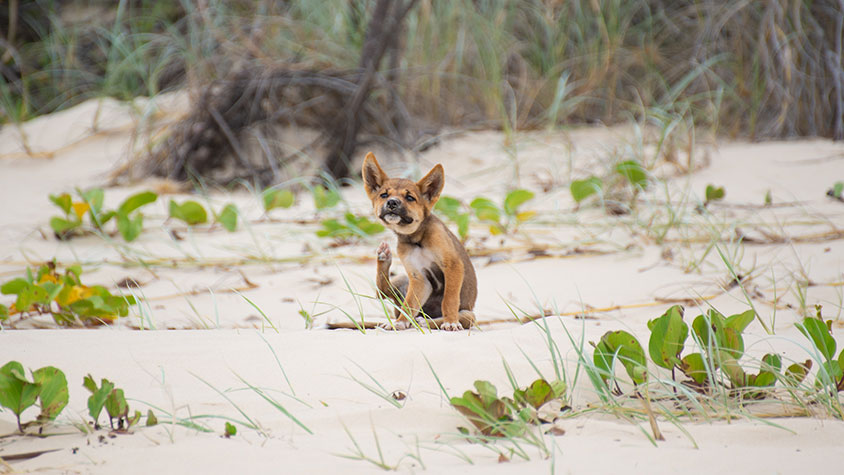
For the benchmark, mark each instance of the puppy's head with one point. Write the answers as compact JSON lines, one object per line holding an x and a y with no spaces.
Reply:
{"x":401,"y":204}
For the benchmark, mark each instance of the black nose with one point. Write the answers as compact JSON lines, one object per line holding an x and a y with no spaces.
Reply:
{"x":393,"y":203}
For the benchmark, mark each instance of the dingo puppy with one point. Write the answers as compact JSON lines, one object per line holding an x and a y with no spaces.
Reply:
{"x":440,"y":281}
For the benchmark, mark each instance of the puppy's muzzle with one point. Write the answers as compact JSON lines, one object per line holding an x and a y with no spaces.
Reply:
{"x":393,"y":204}
{"x":392,"y":212}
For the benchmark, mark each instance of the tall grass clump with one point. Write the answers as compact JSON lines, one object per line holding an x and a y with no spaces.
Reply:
{"x":69,"y":53}
{"x":757,"y":69}
{"x":773,"y":63}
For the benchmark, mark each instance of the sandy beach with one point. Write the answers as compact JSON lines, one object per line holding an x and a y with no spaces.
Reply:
{"x":223,"y":317}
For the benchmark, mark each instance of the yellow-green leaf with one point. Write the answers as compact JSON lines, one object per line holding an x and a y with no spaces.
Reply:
{"x":63,"y":201}
{"x":633,"y":171}
{"x":277,"y":199}
{"x":53,"y":395}
{"x":190,"y":212}
{"x":228,"y":217}
{"x":525,"y":215}
{"x":582,"y":189}
{"x":516,"y":198}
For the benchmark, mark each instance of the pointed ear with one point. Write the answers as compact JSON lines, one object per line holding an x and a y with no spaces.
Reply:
{"x":373,"y":175}
{"x":431,"y":185}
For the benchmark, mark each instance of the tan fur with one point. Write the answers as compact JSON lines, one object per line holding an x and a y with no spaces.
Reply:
{"x":440,"y":280}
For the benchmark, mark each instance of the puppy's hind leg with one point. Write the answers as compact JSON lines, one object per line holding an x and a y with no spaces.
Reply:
{"x":466,"y":318}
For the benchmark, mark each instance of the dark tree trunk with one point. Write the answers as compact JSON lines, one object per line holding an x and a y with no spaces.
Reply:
{"x":381,"y":34}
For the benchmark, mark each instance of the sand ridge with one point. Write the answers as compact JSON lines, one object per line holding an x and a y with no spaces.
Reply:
{"x":565,"y":261}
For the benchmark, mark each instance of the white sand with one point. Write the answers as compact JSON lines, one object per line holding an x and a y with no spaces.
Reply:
{"x":596,"y":262}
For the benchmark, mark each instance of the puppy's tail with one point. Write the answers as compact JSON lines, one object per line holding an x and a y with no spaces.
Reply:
{"x":349,"y":326}
{"x":466,"y":319}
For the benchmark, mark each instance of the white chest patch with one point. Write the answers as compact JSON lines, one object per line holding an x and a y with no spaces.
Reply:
{"x":419,"y":259}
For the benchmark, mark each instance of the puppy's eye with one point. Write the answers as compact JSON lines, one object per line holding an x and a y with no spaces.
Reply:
{"x":410,"y":198}
{"x":384,"y":195}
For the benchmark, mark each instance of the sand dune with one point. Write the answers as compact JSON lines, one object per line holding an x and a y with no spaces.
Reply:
{"x":196,"y":344}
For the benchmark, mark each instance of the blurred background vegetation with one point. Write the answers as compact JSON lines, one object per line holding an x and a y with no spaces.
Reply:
{"x":757,"y":69}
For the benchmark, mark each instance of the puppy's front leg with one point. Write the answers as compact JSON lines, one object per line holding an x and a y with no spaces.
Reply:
{"x":418,"y":292}
{"x":453,"y":273}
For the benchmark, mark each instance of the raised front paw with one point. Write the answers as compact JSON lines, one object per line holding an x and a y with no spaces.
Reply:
{"x":383,"y":253}
{"x":451,"y":326}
